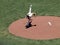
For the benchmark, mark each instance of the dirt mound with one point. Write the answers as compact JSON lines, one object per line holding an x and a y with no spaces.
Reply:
{"x":42,"y":30}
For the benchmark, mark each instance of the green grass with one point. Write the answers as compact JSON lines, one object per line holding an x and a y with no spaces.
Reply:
{"x":12,"y":10}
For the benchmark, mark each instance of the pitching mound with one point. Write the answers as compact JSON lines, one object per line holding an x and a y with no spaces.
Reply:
{"x":42,"y":30}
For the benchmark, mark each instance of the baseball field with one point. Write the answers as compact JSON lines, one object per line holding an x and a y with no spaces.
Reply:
{"x":12,"y":10}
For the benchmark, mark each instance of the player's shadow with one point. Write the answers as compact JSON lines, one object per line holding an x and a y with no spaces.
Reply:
{"x":33,"y":25}
{"x":29,"y":25}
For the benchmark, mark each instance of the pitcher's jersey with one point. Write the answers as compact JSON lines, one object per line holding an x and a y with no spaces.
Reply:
{"x":30,"y":14}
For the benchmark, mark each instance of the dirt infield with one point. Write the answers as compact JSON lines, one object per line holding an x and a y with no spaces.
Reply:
{"x":42,"y":30}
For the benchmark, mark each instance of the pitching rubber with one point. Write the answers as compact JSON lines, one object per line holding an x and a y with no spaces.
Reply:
{"x":49,"y":23}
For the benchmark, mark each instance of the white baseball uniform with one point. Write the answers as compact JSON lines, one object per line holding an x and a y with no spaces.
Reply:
{"x":30,"y":14}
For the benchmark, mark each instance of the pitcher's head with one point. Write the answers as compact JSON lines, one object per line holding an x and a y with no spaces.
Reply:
{"x":31,"y":5}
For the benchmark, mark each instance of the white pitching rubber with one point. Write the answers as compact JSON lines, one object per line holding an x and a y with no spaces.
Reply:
{"x":50,"y":24}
